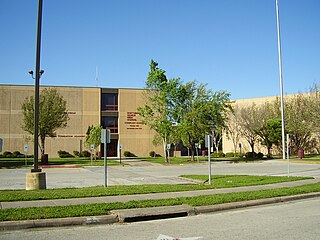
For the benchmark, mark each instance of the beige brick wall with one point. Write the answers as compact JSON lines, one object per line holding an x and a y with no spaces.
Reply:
{"x":133,"y":135}
{"x":83,"y":105}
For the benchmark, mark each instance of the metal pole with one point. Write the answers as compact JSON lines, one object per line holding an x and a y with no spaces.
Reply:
{"x":281,"y":84}
{"x":288,"y":154}
{"x":209,"y":158}
{"x":105,"y":164}
{"x":36,"y":98}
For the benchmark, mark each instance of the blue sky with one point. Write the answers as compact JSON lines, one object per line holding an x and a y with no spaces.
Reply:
{"x":230,"y":45}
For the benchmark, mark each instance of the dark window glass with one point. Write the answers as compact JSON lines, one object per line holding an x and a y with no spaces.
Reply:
{"x":110,"y":123}
{"x":109,"y":102}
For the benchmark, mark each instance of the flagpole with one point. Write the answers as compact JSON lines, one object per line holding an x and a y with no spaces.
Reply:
{"x":281,"y":83}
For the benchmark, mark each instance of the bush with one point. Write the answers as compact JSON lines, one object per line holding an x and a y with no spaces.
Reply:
{"x":64,"y":154}
{"x":17,"y":154}
{"x":240,"y":155}
{"x":76,"y":153}
{"x":128,"y":154}
{"x":259,"y":155}
{"x":7,"y":154}
{"x":250,"y":155}
{"x":217,"y":155}
{"x":230,"y":154}
{"x":86,"y":153}
{"x":152,"y":154}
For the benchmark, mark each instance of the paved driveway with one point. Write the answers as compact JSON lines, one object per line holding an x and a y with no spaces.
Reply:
{"x":140,"y":173}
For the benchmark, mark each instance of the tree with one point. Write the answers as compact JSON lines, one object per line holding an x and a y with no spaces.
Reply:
{"x":268,"y":127}
{"x":302,"y":120}
{"x":52,"y":115}
{"x":192,"y":120}
{"x":94,"y":137}
{"x":233,"y":128}
{"x":218,"y":108}
{"x":250,"y":121}
{"x":158,"y":111}
{"x":271,"y":133}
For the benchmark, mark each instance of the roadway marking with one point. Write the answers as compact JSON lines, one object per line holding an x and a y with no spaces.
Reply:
{"x":164,"y":237}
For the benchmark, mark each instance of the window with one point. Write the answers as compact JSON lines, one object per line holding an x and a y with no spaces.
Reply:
{"x":110,"y":123}
{"x":109,"y":102}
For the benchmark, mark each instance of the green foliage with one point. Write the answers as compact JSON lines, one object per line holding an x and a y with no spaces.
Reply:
{"x":152,"y":154}
{"x":218,"y":181}
{"x":157,"y":113}
{"x":86,"y":153}
{"x":77,"y":154}
{"x":259,"y":155}
{"x":94,"y":136}
{"x":7,"y":154}
{"x":217,"y":155}
{"x":64,"y":154}
{"x":128,"y":154}
{"x":230,"y":154}
{"x":17,"y":154}
{"x":250,"y":155}
{"x":14,"y":214}
{"x":52,"y":114}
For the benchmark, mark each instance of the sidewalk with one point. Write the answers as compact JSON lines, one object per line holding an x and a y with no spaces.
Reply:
{"x":144,"y":214}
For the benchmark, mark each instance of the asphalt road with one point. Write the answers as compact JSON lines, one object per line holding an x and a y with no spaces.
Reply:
{"x":140,"y":173}
{"x":291,"y":220}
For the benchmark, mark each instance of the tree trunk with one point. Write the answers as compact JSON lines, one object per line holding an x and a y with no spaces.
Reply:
{"x":252,"y":146}
{"x":165,"y":150}
{"x":42,"y":140}
{"x":192,"y":153}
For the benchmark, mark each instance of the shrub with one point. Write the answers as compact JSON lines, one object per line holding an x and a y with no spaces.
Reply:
{"x":259,"y":155}
{"x":128,"y":154}
{"x":64,"y":154}
{"x":250,"y":155}
{"x":7,"y":154}
{"x":217,"y":155}
{"x":230,"y":154}
{"x":17,"y":154}
{"x":152,"y":154}
{"x":240,"y":155}
{"x":86,"y":153}
{"x":76,"y":153}
{"x":269,"y":156}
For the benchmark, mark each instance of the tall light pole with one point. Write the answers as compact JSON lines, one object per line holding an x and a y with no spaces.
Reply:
{"x":36,"y":179}
{"x":36,"y":90}
{"x":281,"y":84}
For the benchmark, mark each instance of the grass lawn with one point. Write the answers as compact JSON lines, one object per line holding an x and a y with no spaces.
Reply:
{"x":219,"y":181}
{"x":104,"y":208}
{"x":20,"y":162}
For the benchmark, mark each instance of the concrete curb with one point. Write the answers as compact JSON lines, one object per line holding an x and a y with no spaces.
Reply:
{"x":146,"y":214}
{"x":58,"y":222}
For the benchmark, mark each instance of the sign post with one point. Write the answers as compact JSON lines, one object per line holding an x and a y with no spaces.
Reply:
{"x":92,"y":149}
{"x":288,"y":153}
{"x":25,"y":149}
{"x":208,"y":144}
{"x":120,"y":148}
{"x":105,"y":138}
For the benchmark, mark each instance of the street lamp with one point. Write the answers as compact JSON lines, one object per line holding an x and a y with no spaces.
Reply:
{"x":31,"y":73}
{"x":36,"y":179}
{"x":38,"y":74}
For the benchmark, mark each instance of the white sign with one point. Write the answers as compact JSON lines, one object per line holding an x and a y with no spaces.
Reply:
{"x":92,"y":147}
{"x":25,"y":148}
{"x":120,"y":147}
{"x":168,"y":146}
